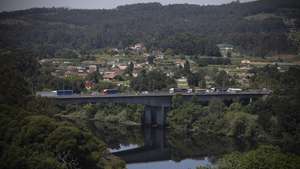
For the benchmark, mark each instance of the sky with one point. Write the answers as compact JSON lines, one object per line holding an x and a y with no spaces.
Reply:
{"x":9,"y":5}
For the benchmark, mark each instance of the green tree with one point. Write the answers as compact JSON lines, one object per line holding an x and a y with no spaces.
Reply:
{"x":94,"y":77}
{"x":18,"y":70}
{"x":177,"y":101}
{"x":130,"y":68}
{"x":265,"y":157}
{"x":151,"y":81}
{"x":193,"y":79}
{"x":187,"y":67}
{"x":216,"y":106}
{"x":222,"y":79}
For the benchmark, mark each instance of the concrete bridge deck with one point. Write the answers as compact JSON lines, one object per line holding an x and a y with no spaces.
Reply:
{"x":157,"y":104}
{"x":153,"y":99}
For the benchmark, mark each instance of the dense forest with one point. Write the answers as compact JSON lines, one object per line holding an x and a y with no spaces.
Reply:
{"x":259,"y":28}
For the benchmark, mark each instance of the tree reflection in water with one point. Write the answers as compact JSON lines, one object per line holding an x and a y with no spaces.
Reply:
{"x":154,"y":144}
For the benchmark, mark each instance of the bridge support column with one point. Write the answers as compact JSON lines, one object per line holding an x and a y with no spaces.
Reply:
{"x":147,"y":117}
{"x":154,"y":116}
{"x":161,"y":116}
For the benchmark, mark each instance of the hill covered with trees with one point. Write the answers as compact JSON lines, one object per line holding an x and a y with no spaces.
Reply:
{"x":259,"y":28}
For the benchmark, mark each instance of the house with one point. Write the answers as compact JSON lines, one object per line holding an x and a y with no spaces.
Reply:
{"x":225,"y":49}
{"x":122,"y":66}
{"x":245,"y":62}
{"x":80,"y":69}
{"x":182,"y":82}
{"x":158,"y":54}
{"x":135,"y":73}
{"x":92,"y":68}
{"x":89,"y":85}
{"x":139,"y":47}
{"x":110,"y":75}
{"x":180,"y":62}
{"x":71,"y":68}
{"x":139,"y":65}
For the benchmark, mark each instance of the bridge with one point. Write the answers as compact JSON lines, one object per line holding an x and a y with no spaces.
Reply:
{"x":157,"y":104}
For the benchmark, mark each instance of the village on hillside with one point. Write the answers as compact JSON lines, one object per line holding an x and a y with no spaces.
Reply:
{"x":115,"y":68}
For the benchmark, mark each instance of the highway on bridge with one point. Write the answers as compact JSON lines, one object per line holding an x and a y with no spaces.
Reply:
{"x":154,"y":94}
{"x":156,"y":104}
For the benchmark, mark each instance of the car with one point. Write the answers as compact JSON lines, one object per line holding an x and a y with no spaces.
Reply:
{"x":110,"y":91}
{"x":144,"y":92}
{"x":178,"y":90}
{"x":189,"y":91}
{"x":200,"y":90}
{"x":64,"y":92}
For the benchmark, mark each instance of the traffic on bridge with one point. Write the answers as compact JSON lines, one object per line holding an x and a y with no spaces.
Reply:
{"x":171,"y":92}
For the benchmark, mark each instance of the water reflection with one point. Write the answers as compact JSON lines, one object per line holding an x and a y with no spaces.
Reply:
{"x":184,"y":164}
{"x":159,"y":148}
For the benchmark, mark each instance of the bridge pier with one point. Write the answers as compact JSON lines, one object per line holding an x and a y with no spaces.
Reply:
{"x":154,"y":116}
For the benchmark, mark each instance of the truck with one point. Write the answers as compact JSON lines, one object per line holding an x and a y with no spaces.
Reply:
{"x":200,"y":90}
{"x":178,"y":90}
{"x":64,"y":92}
{"x":234,"y":90}
{"x":110,"y":91}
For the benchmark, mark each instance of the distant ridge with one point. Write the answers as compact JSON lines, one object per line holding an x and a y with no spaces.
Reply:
{"x":183,"y":28}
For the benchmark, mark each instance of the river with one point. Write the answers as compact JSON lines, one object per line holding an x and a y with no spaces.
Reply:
{"x":149,"y":148}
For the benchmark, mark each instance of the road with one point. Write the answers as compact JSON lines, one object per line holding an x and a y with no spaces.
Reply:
{"x":153,"y":94}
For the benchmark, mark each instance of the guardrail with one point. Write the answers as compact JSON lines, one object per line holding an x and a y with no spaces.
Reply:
{"x":155,"y":94}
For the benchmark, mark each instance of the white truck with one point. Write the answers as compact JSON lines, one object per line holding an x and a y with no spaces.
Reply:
{"x":234,"y":90}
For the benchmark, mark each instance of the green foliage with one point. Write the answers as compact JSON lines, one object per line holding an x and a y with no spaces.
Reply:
{"x":264,"y":157}
{"x":74,"y":83}
{"x":94,"y":77}
{"x":18,"y":69}
{"x":184,"y":116}
{"x":223,"y":80}
{"x":216,"y":106}
{"x":177,"y":101}
{"x":67,"y":53}
{"x":266,"y":77}
{"x":211,"y":61}
{"x":130,"y":68}
{"x":39,"y":141}
{"x":192,"y":31}
{"x":187,"y":67}
{"x":105,"y":85}
{"x":151,"y":81}
{"x":90,"y":110}
{"x":235,"y":107}
{"x":215,"y":119}
{"x":111,"y":113}
{"x":193,"y":79}
{"x":279,"y":114}
{"x":241,"y":125}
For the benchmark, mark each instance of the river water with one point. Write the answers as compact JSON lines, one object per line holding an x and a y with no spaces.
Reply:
{"x":148,"y":148}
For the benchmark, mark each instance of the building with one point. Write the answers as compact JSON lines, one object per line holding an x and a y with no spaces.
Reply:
{"x":122,"y":66}
{"x":180,"y":62}
{"x":225,"y":49}
{"x":138,"y":47}
{"x":92,"y":68}
{"x":111,"y":75}
{"x":245,"y":62}
{"x":89,"y":85}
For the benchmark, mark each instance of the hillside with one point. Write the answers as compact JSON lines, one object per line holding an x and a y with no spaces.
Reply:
{"x":258,"y":28}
